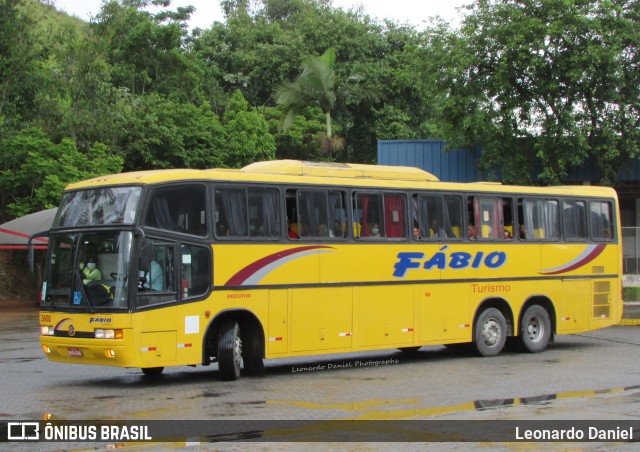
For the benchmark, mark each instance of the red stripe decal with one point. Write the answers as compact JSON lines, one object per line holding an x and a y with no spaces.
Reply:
{"x":250,"y":269}
{"x":584,"y":261}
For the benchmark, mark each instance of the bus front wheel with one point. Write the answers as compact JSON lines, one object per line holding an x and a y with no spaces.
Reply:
{"x":490,"y":332}
{"x":229,"y":351}
{"x":535,"y":329}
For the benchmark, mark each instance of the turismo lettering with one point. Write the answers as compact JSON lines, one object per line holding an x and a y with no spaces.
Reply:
{"x":441,"y":260}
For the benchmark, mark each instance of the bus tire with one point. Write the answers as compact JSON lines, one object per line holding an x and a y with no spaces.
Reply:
{"x":229,"y":351}
{"x":490,"y":332}
{"x":152,"y":372}
{"x":535,"y":329}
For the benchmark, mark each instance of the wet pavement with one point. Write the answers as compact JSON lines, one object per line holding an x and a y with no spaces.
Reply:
{"x":591,"y":376}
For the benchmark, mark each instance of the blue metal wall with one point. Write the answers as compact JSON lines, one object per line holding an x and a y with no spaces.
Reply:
{"x":460,"y":165}
{"x":454,"y":165}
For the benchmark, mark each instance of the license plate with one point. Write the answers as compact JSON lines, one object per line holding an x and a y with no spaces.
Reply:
{"x":74,"y":352}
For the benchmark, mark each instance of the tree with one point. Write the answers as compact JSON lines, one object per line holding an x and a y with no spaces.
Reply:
{"x":248,"y":134}
{"x":22,"y":55}
{"x":548,"y":82}
{"x":34,"y":170}
{"x":317,"y":85}
{"x":147,"y":51}
{"x":165,"y":133}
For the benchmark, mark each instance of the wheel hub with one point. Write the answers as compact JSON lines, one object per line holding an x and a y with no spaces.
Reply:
{"x":491,"y":332}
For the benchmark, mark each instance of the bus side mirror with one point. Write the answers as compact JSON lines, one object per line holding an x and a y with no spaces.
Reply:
{"x":146,"y":254}
{"x":30,"y":247}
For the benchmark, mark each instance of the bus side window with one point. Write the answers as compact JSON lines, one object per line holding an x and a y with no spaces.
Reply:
{"x":156,"y":283}
{"x":540,"y":219}
{"x":601,"y":220}
{"x":488,"y":217}
{"x":574,"y":218}
{"x":195,"y":270}
{"x":395,"y":215}
{"x":368,"y":215}
{"x":181,"y":208}
{"x":247,"y":212}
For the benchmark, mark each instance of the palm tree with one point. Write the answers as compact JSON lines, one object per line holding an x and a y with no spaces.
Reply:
{"x":316,"y":85}
{"x":319,"y":85}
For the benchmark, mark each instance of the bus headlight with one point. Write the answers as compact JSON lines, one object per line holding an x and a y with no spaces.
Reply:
{"x":46,"y":330}
{"x":100,"y":333}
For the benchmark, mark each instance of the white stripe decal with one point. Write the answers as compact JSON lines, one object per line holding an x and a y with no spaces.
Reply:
{"x":255,"y":279}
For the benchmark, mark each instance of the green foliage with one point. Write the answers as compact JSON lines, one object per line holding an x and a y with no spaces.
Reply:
{"x":555,"y":75}
{"x":34,"y":170}
{"x":631,"y":293}
{"x":542,"y":85}
{"x":164,"y":133}
{"x":247,"y":133}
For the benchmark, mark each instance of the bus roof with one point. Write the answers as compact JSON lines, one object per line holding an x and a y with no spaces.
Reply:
{"x":331,"y":173}
{"x":334,"y":169}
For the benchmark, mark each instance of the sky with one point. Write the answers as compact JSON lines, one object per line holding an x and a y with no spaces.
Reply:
{"x":414,"y":12}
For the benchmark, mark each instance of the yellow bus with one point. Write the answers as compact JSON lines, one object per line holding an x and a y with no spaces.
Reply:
{"x":286,"y":258}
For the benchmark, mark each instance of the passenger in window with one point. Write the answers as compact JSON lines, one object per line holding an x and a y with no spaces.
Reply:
{"x":338,"y":230}
{"x":416,"y":232}
{"x":290,"y":232}
{"x":323,"y":231}
{"x":254,"y":229}
{"x":222,"y":230}
{"x":436,"y":230}
{"x":522,"y":235}
{"x":155,"y":277}
{"x":375,"y":230}
{"x":471,"y":230}
{"x":506,"y":235}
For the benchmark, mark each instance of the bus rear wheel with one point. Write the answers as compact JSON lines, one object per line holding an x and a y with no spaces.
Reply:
{"x":490,"y":332}
{"x":229,"y":351}
{"x":535,"y":329}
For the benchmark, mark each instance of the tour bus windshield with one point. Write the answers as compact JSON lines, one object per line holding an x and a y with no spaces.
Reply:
{"x":88,"y":271}
{"x":98,"y":206}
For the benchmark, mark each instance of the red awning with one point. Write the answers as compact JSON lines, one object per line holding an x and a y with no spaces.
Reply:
{"x":14,"y":234}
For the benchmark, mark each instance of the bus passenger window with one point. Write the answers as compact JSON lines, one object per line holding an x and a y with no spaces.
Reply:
{"x":488,"y":218}
{"x":368,"y":215}
{"x":156,"y":283}
{"x":601,"y":220}
{"x":246,"y":212}
{"x":195,"y":273}
{"x":394,"y":215}
{"x":438,"y":217}
{"x":180,"y":208}
{"x":540,"y":218}
{"x":574,"y":217}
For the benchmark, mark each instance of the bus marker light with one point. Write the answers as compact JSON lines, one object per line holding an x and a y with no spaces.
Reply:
{"x":184,"y":345}
{"x":464,"y":325}
{"x":46,"y":349}
{"x":407,"y":330}
{"x":344,"y":334}
{"x":207,"y":314}
{"x":274,"y":339}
